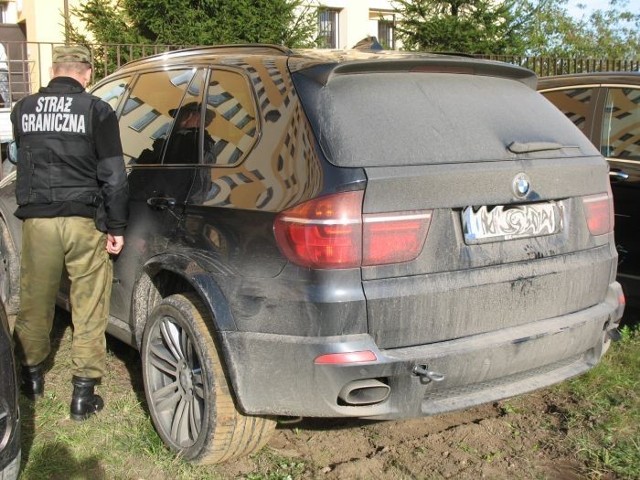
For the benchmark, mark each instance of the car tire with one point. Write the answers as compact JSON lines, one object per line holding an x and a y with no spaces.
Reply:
{"x":187,"y":391}
{"x":10,"y":472}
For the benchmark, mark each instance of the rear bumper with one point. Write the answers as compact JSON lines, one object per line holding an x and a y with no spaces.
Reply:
{"x":276,"y":374}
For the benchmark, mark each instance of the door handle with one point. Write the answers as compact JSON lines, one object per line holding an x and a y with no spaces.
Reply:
{"x":161,"y":203}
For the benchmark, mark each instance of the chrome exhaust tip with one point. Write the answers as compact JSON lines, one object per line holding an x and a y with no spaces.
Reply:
{"x":364,"y":392}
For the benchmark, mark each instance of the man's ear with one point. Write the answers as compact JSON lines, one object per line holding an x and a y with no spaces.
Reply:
{"x":87,"y":77}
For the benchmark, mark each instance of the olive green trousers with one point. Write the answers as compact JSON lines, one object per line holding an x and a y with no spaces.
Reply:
{"x":48,"y":246}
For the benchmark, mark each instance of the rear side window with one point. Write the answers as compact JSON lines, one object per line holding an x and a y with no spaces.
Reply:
{"x":233,"y":128}
{"x":574,"y":103}
{"x":621,"y":124}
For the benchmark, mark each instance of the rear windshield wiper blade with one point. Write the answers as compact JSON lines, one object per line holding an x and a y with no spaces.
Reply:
{"x":529,"y":147}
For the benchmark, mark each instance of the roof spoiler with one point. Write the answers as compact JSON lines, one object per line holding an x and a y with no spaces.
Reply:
{"x":422,"y":63}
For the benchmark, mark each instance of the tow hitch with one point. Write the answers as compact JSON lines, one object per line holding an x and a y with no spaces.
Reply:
{"x":426,"y":375}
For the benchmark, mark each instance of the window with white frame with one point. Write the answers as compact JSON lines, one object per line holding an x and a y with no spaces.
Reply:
{"x":382,"y":26}
{"x":328,"y":28}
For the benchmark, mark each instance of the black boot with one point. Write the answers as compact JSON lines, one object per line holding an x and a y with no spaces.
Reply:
{"x":32,"y":385}
{"x":84,"y":402}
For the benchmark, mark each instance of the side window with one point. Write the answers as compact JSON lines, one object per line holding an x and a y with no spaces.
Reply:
{"x":231,"y":115}
{"x":574,"y":103}
{"x":182,"y":146}
{"x":621,"y":124}
{"x":149,"y":113}
{"x":112,"y":92}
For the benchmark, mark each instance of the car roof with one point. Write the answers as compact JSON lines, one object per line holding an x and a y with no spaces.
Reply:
{"x":584,"y":79}
{"x":325,"y":64}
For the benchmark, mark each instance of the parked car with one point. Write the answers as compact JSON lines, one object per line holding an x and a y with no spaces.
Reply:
{"x":606,"y":108}
{"x":348,"y":234}
{"x":9,"y":411}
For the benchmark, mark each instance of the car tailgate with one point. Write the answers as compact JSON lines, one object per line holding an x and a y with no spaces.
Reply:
{"x":456,"y":287}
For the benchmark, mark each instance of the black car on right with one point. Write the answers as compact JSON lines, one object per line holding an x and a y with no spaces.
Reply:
{"x":606,"y":107}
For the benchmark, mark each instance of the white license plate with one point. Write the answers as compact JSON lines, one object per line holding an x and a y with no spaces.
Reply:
{"x":493,"y":224}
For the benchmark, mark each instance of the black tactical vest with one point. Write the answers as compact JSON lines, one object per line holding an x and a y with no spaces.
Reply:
{"x":56,"y":157}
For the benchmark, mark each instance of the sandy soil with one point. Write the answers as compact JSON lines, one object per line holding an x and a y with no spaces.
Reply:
{"x":518,"y":438}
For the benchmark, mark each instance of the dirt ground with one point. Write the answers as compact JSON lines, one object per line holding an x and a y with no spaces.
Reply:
{"x":519,"y":438}
{"x":526,"y":437}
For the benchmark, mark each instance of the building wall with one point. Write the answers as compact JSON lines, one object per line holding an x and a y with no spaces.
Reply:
{"x":8,"y":9}
{"x":42,"y":22}
{"x":44,"y":19}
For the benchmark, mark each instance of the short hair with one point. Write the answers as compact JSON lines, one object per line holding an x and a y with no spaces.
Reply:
{"x":70,"y":67}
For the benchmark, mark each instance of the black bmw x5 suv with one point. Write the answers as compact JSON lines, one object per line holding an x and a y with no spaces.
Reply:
{"x":348,"y":234}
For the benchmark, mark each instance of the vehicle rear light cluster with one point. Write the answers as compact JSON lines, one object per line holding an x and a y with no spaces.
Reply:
{"x":598,"y":211}
{"x":332,"y":232}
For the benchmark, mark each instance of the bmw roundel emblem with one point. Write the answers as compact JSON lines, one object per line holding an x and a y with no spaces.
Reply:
{"x":521,"y":185}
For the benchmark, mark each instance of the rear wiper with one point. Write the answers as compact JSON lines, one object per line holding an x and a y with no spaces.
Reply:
{"x":529,"y":147}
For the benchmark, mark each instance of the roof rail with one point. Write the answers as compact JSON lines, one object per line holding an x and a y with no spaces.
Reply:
{"x":231,"y":48}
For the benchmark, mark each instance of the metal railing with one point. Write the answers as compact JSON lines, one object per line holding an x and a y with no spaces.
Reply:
{"x":548,"y":66}
{"x":28,"y":63}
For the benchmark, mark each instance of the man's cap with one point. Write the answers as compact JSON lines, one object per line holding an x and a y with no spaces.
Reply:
{"x":193,"y":107}
{"x":76,"y":53}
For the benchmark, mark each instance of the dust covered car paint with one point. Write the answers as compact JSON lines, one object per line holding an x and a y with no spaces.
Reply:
{"x":351,"y":234}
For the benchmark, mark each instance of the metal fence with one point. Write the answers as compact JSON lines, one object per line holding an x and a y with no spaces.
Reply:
{"x":548,"y":66}
{"x":28,"y":63}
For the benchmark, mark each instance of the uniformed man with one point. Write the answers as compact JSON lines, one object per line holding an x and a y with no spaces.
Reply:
{"x":72,"y":194}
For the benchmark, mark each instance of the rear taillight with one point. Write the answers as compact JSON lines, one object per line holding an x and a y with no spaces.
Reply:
{"x":332,"y":232}
{"x":323,"y":233}
{"x":394,"y":238}
{"x":598,"y":211}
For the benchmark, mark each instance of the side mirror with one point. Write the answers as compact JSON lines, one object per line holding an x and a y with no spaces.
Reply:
{"x":12,"y":152}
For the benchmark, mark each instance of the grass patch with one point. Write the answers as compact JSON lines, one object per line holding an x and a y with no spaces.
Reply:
{"x":120,"y":443}
{"x":277,"y":467}
{"x":604,"y":425}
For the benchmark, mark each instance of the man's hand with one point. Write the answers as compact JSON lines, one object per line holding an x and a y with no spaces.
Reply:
{"x":114,"y":243}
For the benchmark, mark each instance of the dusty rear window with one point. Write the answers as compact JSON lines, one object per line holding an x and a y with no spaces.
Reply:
{"x":413,"y":118}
